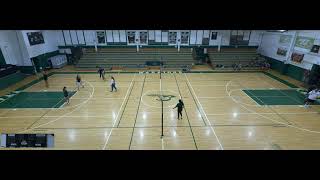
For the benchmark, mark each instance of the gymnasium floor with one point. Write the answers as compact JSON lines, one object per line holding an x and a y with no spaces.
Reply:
{"x":222,"y":111}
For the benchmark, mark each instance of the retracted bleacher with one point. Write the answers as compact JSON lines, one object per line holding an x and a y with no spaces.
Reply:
{"x":130,"y":58}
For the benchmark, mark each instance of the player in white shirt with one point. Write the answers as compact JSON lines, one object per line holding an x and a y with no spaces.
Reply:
{"x":312,"y":97}
{"x":113,"y":84}
{"x":79,"y":82}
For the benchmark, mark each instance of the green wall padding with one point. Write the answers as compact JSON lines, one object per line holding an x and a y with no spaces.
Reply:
{"x":295,"y":72}
{"x":292,"y":71}
{"x":2,"y":60}
{"x":42,"y":60}
{"x":11,"y":79}
{"x":26,"y":69}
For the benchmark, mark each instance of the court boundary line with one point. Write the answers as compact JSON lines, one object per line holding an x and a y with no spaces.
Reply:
{"x":283,"y":92}
{"x":125,"y":105}
{"x":198,"y":109}
{"x":106,"y":142}
{"x":49,"y":110}
{"x":135,"y":119}
{"x":296,"y":127}
{"x":270,"y":107}
{"x":205,"y":114}
{"x":104,"y":116}
{"x":156,"y":127}
{"x":63,"y":114}
{"x":195,"y":142}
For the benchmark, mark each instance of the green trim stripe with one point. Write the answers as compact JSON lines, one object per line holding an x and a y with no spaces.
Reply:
{"x":281,"y":80}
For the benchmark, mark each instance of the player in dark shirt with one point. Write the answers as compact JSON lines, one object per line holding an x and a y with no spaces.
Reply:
{"x":45,"y":78}
{"x":180,"y":107}
{"x":66,"y":94}
{"x":101,"y":72}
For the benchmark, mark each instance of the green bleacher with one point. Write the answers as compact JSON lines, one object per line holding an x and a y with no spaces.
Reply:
{"x":129,"y":58}
{"x":230,"y":56}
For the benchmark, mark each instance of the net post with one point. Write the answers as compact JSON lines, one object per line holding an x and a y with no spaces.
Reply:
{"x":161,"y":99}
{"x":161,"y":118}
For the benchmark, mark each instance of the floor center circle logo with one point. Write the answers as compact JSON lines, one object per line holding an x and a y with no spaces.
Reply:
{"x":153,"y":98}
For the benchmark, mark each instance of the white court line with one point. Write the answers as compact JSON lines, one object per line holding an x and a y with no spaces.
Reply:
{"x":217,"y":114}
{"x":212,"y":85}
{"x":280,"y":91}
{"x":230,"y":92}
{"x":105,"y":144}
{"x":100,"y":98}
{"x":215,"y":97}
{"x":62,"y":115}
{"x":69,"y":99}
{"x":104,"y":116}
{"x":249,"y":97}
{"x":74,"y":86}
{"x":162,"y":146}
{"x":285,"y":124}
{"x":204,"y":113}
{"x":13,"y":117}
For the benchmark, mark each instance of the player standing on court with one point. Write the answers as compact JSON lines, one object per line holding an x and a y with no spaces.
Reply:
{"x":180,"y":107}
{"x":79,"y":82}
{"x":113,"y":84}
{"x":45,"y":78}
{"x":65,"y":94}
{"x":101,"y":72}
{"x":312,"y":97}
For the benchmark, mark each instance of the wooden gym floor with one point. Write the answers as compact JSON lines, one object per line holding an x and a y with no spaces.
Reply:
{"x":218,"y":114}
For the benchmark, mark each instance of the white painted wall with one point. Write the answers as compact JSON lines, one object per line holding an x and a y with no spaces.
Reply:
{"x":74,"y":38}
{"x":255,"y":38}
{"x":60,"y":38}
{"x":123,"y":36}
{"x":116,"y":35}
{"x":10,"y":47}
{"x":80,"y":37}
{"x":90,"y":36}
{"x":199,"y":37}
{"x":270,"y":43}
{"x":158,"y":35}
{"x":109,"y":36}
{"x":225,"y":35}
{"x":151,"y":35}
{"x":67,"y":37}
{"x":193,"y":37}
{"x":50,"y":43}
{"x":26,"y":61}
{"x":196,"y":36}
{"x":164,"y":37}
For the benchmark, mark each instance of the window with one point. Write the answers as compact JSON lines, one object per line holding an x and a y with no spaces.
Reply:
{"x":185,"y":37}
{"x":101,"y":36}
{"x":172,"y":37}
{"x":131,"y":37}
{"x":214,"y":35}
{"x":143,"y":37}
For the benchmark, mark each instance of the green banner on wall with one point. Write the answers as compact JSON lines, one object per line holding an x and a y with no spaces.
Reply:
{"x":304,"y":42}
